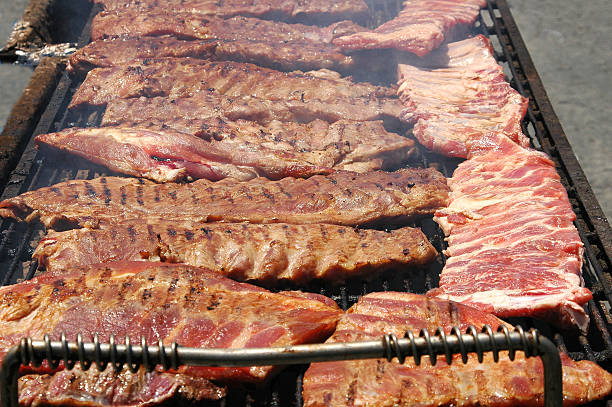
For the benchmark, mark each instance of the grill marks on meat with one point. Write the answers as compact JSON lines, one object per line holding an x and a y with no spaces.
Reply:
{"x":167,"y":155}
{"x":92,"y":388}
{"x":267,"y":254}
{"x":420,"y":27}
{"x":512,"y":245}
{"x":343,"y":198}
{"x":383,"y":383}
{"x":133,"y":23}
{"x":192,"y":306}
{"x":177,"y":78}
{"x":216,"y":148}
{"x":125,"y":51}
{"x":210,"y":104}
{"x":308,"y":11}
{"x":273,"y":44}
{"x":459,"y":91}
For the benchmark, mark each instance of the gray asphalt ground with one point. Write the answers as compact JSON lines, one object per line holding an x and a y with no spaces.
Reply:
{"x":13,"y":78}
{"x":571,"y":45}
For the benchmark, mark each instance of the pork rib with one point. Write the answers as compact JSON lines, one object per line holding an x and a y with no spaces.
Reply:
{"x":126,"y":51}
{"x":457,"y":92}
{"x":420,"y":27}
{"x":307,"y":11}
{"x":267,"y":254}
{"x":512,"y":247}
{"x":183,"y":77}
{"x":181,"y":111}
{"x":273,"y":44}
{"x":343,"y":198}
{"x":382,"y":383}
{"x":192,"y":306}
{"x":215,"y":148}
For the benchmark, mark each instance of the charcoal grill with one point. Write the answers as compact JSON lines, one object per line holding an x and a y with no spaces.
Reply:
{"x":34,"y":170}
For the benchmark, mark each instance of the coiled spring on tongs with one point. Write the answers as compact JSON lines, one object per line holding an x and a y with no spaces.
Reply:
{"x":172,"y":356}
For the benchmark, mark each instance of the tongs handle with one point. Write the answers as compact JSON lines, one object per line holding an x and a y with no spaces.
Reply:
{"x":172,"y":356}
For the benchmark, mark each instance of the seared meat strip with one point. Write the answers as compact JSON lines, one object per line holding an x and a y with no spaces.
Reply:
{"x":308,"y":11}
{"x":182,"y":111}
{"x":167,"y":155}
{"x":125,"y":51}
{"x":131,"y":22}
{"x":216,"y":148}
{"x":420,"y":27}
{"x":460,"y":92}
{"x":382,"y":383}
{"x":174,"y":303}
{"x":242,"y":251}
{"x":513,"y":249}
{"x":268,"y":43}
{"x":343,"y":198}
{"x":183,"y":77}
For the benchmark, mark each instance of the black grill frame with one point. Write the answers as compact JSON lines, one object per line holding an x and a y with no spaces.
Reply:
{"x":34,"y":170}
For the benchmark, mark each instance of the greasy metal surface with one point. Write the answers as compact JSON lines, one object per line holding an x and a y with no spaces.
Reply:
{"x":34,"y":171}
{"x":25,"y":113}
{"x":172,"y":356}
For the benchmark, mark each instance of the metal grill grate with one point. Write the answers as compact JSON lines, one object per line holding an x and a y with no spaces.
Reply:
{"x":17,"y":241}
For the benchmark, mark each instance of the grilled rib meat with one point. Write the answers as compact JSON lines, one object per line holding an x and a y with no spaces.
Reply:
{"x":216,"y":148}
{"x":182,"y":111}
{"x":242,"y":251}
{"x":382,"y":383}
{"x":420,"y":27}
{"x":125,"y":51}
{"x":308,"y":11}
{"x":460,"y":92}
{"x":273,"y":44}
{"x":192,"y":306}
{"x":167,"y":155}
{"x":343,"y":198}
{"x":513,"y":249}
{"x":183,"y":77}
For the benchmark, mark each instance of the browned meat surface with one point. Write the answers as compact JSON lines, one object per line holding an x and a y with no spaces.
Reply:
{"x":183,"y":77}
{"x":167,"y":155}
{"x":124,"y":51}
{"x":173,"y":303}
{"x":343,"y":198}
{"x":421,"y":26}
{"x":182,"y":111}
{"x":273,"y":44}
{"x":242,"y":251}
{"x":131,"y":22}
{"x":308,"y":11}
{"x":457,"y":93}
{"x":215,"y":148}
{"x":381,"y":383}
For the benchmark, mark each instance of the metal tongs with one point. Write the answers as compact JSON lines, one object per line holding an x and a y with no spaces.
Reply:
{"x":172,"y":356}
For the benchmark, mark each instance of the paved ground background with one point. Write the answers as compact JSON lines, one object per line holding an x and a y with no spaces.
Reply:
{"x":13,"y":78}
{"x":569,"y":41}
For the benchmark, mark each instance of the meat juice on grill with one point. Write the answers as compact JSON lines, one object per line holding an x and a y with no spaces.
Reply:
{"x":173,"y":303}
{"x":308,"y":11}
{"x":343,"y":198}
{"x":273,"y":44}
{"x":267,"y":254}
{"x":382,"y":383}
{"x":457,"y":92}
{"x":420,"y":27}
{"x":217,"y":148}
{"x":513,"y":249}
